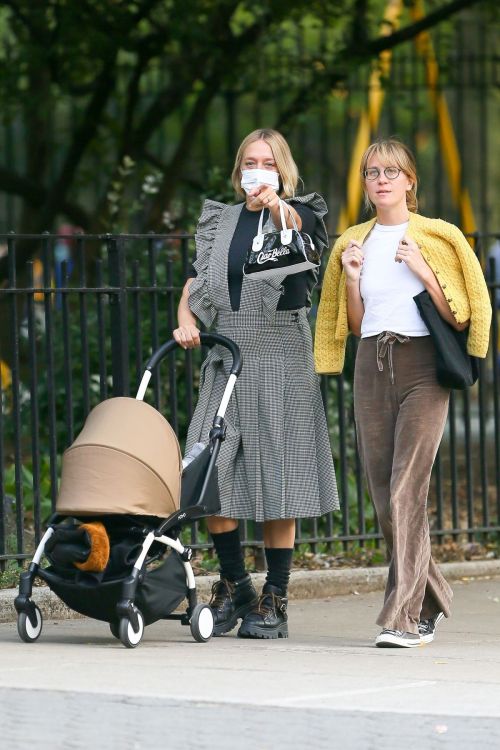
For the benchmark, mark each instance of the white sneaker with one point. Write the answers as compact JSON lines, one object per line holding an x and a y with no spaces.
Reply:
{"x":397,"y":639}
{"x":427,"y":628}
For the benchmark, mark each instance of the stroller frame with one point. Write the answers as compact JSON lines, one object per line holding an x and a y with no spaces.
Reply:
{"x":130,"y":620}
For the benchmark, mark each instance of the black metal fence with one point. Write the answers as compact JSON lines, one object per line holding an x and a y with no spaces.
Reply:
{"x":79,"y":322}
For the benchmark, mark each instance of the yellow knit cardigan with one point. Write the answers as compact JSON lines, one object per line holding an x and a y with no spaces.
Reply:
{"x":454,"y":264}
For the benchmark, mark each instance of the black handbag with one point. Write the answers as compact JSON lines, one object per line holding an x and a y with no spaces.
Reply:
{"x":280,"y":253}
{"x":455,"y":367}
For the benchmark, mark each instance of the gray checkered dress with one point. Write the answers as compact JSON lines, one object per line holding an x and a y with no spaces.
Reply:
{"x":276,"y":461}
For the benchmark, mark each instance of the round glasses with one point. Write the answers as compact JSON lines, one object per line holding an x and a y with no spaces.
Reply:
{"x":374,"y":172}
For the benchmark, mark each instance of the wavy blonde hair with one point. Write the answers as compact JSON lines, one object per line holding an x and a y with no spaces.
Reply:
{"x":287,"y":169}
{"x":392,"y":153}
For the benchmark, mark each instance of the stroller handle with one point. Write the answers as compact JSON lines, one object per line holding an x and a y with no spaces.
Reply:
{"x":208,"y":339}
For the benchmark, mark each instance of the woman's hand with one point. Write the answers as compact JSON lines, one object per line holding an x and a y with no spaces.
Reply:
{"x":409,"y":252}
{"x":352,"y":260}
{"x":264,"y":197}
{"x":187,"y":336}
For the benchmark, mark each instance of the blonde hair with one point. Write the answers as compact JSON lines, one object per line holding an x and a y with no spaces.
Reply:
{"x":392,"y":152}
{"x":287,"y":169}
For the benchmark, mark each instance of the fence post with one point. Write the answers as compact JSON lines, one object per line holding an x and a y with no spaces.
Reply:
{"x":118,"y":316}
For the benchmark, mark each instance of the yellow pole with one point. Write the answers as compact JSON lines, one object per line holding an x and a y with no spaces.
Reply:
{"x":368,"y":121}
{"x":5,"y":374}
{"x":447,"y":140}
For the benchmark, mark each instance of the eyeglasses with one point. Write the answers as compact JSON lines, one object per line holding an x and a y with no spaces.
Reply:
{"x":374,"y":172}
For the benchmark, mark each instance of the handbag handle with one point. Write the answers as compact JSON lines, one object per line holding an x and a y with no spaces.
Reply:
{"x":286,"y":232}
{"x":282,"y":215}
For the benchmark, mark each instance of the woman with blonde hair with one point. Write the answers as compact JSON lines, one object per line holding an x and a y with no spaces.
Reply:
{"x":275,"y":464}
{"x":374,"y":271}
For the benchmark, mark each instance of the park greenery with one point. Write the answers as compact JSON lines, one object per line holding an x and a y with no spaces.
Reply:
{"x":107,"y":98}
{"x":121,"y":116}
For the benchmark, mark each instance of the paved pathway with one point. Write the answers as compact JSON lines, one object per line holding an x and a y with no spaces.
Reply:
{"x":326,"y":687}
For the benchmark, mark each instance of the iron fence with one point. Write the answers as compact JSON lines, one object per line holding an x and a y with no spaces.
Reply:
{"x":79,"y":322}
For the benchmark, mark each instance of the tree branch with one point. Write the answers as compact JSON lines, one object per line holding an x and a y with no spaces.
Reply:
{"x":36,"y":195}
{"x":26,"y":20}
{"x":193,"y":123}
{"x":384,"y":43}
{"x":81,"y":138}
{"x":226,"y":46}
{"x":354,"y":55}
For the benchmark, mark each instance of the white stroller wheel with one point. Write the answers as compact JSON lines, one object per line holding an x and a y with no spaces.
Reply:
{"x":128,"y":636}
{"x":26,"y":631}
{"x":202,"y":623}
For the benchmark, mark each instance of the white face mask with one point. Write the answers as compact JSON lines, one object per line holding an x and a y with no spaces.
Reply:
{"x":252,"y":178}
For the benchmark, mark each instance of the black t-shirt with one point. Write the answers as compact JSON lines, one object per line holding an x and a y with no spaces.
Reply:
{"x":296,"y":288}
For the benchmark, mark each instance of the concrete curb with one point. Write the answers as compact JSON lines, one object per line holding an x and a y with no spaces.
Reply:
{"x":305,"y":584}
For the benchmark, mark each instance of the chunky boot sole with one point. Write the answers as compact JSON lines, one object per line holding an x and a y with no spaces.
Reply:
{"x":239,"y":614}
{"x":254,"y":631}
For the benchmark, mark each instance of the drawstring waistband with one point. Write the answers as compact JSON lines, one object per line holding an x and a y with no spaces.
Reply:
{"x":385,"y":342}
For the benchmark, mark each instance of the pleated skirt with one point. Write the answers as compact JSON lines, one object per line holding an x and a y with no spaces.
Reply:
{"x":276,"y":461}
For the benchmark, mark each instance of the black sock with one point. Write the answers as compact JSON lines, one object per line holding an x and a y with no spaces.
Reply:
{"x":230,"y":554}
{"x":279,"y":562}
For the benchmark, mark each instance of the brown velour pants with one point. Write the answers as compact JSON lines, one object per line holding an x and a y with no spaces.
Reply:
{"x":400,"y":411}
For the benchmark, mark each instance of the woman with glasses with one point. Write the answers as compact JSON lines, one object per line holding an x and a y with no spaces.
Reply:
{"x":374,"y":271}
{"x":275,"y":464}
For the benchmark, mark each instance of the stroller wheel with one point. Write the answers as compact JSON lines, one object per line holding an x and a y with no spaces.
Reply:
{"x":202,"y":623}
{"x":26,"y":631}
{"x":115,"y":629}
{"x":127,"y":634}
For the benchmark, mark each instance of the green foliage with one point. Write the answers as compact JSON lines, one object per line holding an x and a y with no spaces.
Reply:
{"x":29,"y":487}
{"x":9,"y":577}
{"x":86,"y":86}
{"x":124,"y":206}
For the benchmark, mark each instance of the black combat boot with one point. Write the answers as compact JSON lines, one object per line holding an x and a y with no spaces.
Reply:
{"x":268,"y":618}
{"x":231,"y":600}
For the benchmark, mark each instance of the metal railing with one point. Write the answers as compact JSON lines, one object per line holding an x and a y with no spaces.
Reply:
{"x":77,"y":326}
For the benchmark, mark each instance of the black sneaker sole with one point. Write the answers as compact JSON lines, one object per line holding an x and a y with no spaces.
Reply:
{"x":253,"y":631}
{"x":399,"y":644}
{"x":225,"y":627}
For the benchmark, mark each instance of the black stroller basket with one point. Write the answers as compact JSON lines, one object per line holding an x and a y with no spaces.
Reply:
{"x":138,"y":586}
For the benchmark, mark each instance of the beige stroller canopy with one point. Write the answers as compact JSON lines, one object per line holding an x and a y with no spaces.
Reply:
{"x":125,"y":460}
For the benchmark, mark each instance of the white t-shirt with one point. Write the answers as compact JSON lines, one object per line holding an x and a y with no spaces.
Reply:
{"x":388,"y":287}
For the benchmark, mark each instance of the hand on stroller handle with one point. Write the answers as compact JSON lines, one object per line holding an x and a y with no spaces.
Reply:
{"x":207,"y":339}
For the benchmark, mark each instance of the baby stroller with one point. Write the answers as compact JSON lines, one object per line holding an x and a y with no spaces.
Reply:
{"x":113,"y":543}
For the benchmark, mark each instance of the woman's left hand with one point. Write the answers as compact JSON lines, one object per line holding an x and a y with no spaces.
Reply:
{"x":264,"y":197}
{"x":409,"y":252}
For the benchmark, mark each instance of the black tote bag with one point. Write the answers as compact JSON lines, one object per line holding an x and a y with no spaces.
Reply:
{"x":455,"y":367}
{"x":280,"y":253}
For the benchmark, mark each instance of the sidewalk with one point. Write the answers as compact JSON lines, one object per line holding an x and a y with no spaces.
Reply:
{"x":325,"y":687}
{"x":305,"y":584}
